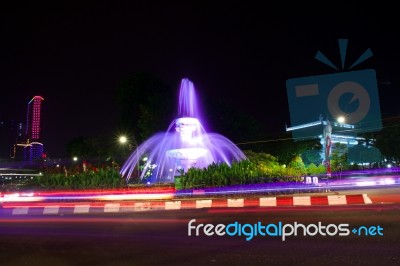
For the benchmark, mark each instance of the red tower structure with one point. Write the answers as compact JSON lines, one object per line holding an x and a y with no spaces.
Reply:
{"x":33,"y":149}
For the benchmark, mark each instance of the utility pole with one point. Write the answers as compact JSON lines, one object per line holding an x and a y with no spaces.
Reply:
{"x":327,"y":134}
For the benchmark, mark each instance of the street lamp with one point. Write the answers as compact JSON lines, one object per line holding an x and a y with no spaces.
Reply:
{"x":327,"y":135}
{"x":123,"y":139}
{"x":341,"y":119}
{"x":125,"y":146}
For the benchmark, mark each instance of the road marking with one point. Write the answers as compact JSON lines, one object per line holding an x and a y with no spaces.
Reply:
{"x":142,"y":206}
{"x":203,"y":204}
{"x":337,"y":200}
{"x":367,"y":200}
{"x":209,"y":203}
{"x":20,"y":210}
{"x":173,"y":205}
{"x":268,"y":202}
{"x":81,"y":208}
{"x":235,"y":203}
{"x":302,"y":201}
{"x":51,"y":209}
{"x":111,"y":207}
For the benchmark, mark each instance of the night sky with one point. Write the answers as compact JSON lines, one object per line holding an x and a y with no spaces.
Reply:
{"x":75,"y":54}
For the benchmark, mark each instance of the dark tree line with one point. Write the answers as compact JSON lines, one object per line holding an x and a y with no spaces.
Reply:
{"x":145,"y":105}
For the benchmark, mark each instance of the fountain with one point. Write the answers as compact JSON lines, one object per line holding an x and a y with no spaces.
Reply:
{"x":184,"y":145}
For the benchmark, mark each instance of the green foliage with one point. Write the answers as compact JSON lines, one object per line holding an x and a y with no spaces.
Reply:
{"x":103,"y":178}
{"x":287,"y":148}
{"x":297,"y":167}
{"x":338,"y":158}
{"x":266,"y":164}
{"x":258,"y":168}
{"x":312,"y":169}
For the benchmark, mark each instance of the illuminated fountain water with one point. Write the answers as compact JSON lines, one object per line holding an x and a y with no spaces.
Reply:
{"x":184,"y":145}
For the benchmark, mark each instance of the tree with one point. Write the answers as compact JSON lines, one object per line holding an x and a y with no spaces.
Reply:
{"x":81,"y":147}
{"x":234,"y":124}
{"x":297,"y":166}
{"x":97,"y":148}
{"x":145,"y":104}
{"x":339,"y":157}
{"x":388,"y":142}
{"x":262,"y":160}
{"x":311,"y":157}
{"x":371,"y":155}
{"x":285,"y":149}
{"x":362,"y":154}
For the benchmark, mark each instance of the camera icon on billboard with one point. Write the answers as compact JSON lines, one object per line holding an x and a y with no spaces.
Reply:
{"x":352,"y":95}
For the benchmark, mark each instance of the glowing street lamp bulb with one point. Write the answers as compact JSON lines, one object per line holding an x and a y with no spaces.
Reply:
{"x":75,"y":159}
{"x":123,"y":139}
{"x":341,"y":119}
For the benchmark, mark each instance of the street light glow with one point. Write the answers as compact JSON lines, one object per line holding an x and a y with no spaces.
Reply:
{"x":341,"y":119}
{"x":123,"y":139}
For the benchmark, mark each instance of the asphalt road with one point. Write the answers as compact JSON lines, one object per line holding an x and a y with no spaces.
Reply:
{"x":161,"y":238}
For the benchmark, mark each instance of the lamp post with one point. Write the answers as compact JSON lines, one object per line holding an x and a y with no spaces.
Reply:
{"x":327,"y":134}
{"x":341,"y":120}
{"x":123,"y":141}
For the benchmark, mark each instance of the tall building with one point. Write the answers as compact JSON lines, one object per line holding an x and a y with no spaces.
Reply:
{"x":17,"y":140}
{"x":3,"y":139}
{"x":33,"y":147}
{"x":33,"y":129}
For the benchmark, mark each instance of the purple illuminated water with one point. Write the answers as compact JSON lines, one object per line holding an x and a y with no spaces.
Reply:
{"x":184,"y":145}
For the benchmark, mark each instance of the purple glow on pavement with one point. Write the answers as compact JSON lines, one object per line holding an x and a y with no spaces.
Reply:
{"x":323,"y":185}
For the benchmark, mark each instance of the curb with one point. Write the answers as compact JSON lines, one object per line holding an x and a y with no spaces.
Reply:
{"x":129,"y":206}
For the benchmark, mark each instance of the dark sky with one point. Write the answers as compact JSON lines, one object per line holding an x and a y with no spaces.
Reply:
{"x":74,"y":54}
